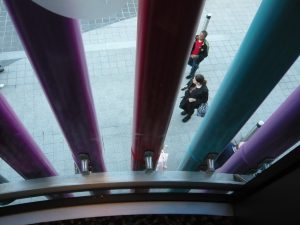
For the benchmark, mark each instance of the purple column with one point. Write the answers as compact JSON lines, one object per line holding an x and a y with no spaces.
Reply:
{"x":280,"y":132}
{"x":54,"y":46}
{"x":19,"y":150}
{"x":17,"y":147}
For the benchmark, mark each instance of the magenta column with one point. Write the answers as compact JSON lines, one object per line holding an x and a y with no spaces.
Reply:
{"x":18,"y":149}
{"x":280,"y":132}
{"x":54,"y":46}
{"x":165,"y":33}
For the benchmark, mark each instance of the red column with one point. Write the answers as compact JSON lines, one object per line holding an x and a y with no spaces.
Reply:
{"x":165,"y":34}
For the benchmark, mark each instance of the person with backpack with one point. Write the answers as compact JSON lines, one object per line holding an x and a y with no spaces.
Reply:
{"x":198,"y":53}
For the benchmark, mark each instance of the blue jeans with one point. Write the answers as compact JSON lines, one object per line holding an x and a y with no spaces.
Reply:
{"x":194,"y":63}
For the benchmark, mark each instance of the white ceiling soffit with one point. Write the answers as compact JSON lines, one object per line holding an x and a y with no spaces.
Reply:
{"x":83,"y":9}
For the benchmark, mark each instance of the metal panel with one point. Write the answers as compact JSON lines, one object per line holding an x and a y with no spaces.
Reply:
{"x":133,"y":208}
{"x":120,"y":180}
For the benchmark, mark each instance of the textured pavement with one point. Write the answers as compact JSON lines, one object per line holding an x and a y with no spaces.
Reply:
{"x":110,"y":52}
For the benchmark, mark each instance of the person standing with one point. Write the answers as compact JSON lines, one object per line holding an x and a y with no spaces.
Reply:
{"x":194,"y":97}
{"x":198,"y":53}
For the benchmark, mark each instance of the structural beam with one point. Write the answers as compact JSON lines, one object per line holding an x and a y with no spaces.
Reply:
{"x":119,"y":181}
{"x":165,"y":34}
{"x":254,"y":72}
{"x":54,"y":46}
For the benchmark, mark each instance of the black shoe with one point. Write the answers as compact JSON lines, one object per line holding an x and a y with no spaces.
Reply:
{"x":183,"y":113}
{"x":189,"y":77}
{"x":1,"y":69}
{"x":185,"y":119}
{"x":184,"y":88}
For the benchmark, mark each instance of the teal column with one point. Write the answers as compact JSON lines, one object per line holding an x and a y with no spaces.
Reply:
{"x":270,"y":47}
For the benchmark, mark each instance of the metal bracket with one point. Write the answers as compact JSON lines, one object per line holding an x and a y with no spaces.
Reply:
{"x":84,"y":164}
{"x":242,"y":178}
{"x":149,"y":161}
{"x":210,"y":161}
{"x":266,"y":163}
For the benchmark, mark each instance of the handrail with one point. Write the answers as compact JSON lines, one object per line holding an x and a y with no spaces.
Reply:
{"x":119,"y":180}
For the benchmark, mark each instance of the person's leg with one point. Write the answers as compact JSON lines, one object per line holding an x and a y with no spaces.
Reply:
{"x":190,"y":62}
{"x":189,"y":112}
{"x":195,"y":66}
{"x":183,"y":113}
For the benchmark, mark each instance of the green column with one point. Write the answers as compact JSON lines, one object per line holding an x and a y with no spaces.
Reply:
{"x":270,"y":47}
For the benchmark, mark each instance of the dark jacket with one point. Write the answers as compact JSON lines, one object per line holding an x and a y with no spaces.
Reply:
{"x":203,"y":51}
{"x":200,"y":94}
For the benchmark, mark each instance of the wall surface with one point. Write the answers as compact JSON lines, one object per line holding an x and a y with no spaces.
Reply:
{"x":278,"y":203}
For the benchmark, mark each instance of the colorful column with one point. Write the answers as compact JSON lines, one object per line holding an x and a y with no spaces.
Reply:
{"x":18,"y":149}
{"x":280,"y":132}
{"x":165,"y":34}
{"x":258,"y":66}
{"x":54,"y":46}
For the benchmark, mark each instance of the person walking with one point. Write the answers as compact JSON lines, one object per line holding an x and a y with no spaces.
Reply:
{"x":196,"y":94}
{"x":198,"y":53}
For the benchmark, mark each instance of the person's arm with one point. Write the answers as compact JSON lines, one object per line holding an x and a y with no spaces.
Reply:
{"x":203,"y":97}
{"x":202,"y":53}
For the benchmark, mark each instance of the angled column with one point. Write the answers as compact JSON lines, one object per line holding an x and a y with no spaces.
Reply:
{"x":54,"y":46}
{"x":18,"y":149}
{"x":3,"y":179}
{"x":280,"y":132}
{"x":165,"y":34}
{"x":258,"y":66}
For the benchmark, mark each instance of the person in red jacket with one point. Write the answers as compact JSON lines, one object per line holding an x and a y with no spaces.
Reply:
{"x":198,"y":53}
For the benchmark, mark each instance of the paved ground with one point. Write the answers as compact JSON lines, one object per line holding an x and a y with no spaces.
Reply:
{"x":110,"y":52}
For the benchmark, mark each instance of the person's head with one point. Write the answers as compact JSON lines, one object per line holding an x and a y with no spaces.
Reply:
{"x":199,"y":78}
{"x":240,"y":144}
{"x":203,"y":35}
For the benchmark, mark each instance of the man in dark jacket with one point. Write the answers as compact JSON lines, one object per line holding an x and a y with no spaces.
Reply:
{"x":198,"y":53}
